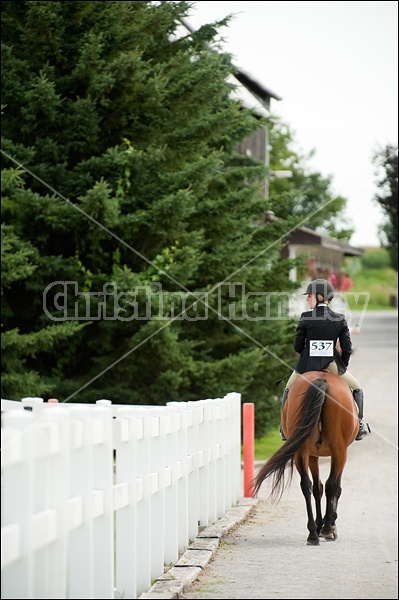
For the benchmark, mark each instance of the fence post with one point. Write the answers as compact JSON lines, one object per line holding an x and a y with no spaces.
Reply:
{"x":248,"y":447}
{"x":126,"y":499}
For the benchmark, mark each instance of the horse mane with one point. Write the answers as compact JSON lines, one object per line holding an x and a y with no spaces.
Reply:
{"x":308,"y":417}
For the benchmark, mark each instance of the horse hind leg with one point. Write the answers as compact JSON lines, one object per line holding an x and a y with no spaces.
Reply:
{"x":317,"y":490}
{"x":333,"y":492}
{"x":306,"y":487}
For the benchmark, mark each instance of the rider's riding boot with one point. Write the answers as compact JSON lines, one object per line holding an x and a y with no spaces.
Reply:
{"x":364,"y":427}
{"x":283,"y":399}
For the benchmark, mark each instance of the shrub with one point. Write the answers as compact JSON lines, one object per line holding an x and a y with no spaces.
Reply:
{"x":377,"y":258}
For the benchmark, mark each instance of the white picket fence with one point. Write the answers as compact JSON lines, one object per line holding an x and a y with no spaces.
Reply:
{"x":97,"y":499}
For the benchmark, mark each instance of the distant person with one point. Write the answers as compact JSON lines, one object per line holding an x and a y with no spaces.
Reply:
{"x":323,"y":341}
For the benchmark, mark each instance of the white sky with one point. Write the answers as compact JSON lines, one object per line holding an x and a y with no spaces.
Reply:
{"x":335,"y":66}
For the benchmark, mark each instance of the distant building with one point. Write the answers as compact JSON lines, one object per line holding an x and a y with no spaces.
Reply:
{"x":257,"y":98}
{"x":324,"y":257}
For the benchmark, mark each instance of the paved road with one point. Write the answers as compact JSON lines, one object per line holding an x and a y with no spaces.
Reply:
{"x":267,"y":556}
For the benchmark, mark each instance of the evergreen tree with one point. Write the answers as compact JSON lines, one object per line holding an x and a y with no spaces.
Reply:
{"x":124,"y":133}
{"x":20,"y":348}
{"x":386,"y":163}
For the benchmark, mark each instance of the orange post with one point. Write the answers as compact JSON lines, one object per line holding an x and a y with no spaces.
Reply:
{"x":52,"y":401}
{"x":248,"y":447}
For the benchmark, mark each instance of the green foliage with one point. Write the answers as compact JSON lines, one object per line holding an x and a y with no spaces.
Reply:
{"x":307,"y":194}
{"x":15,"y":257}
{"x":19,"y":349}
{"x":372,"y":275}
{"x":386,"y":163}
{"x":375,"y":258}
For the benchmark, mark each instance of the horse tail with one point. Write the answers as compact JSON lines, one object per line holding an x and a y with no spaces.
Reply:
{"x":309,"y":416}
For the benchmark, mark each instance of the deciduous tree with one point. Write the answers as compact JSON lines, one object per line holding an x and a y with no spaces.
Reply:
{"x":386,"y":163}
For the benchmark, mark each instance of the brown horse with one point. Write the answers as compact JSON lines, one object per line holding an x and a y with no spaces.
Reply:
{"x":319,"y":418}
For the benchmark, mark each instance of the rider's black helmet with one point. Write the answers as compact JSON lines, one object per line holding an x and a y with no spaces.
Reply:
{"x":322,"y":287}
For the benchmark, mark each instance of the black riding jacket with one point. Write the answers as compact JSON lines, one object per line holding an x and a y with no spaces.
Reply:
{"x":316,"y":336}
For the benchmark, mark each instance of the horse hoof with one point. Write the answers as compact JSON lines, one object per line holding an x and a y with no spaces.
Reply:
{"x":330,"y":535}
{"x":313,"y":540}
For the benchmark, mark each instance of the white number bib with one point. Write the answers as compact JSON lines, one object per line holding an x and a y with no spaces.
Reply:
{"x":321,"y":348}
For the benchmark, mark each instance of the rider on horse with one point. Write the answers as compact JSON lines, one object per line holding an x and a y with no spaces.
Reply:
{"x":316,"y":338}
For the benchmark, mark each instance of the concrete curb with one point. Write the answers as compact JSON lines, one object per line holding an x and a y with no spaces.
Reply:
{"x":172,"y":583}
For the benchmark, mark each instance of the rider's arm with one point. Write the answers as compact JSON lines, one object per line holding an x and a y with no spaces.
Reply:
{"x":300,"y":336}
{"x":345,"y":343}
